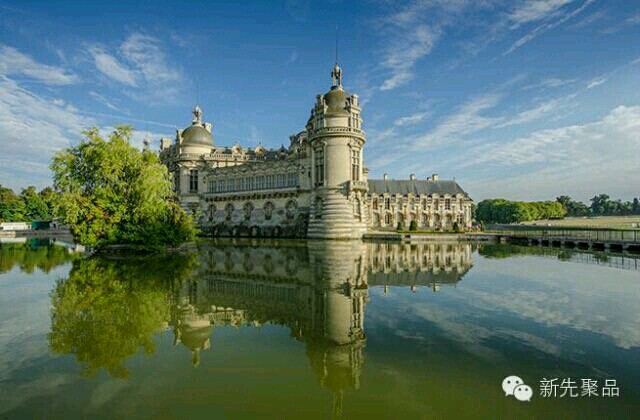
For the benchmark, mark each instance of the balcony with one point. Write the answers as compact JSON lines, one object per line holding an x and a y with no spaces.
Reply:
{"x":358,"y":186}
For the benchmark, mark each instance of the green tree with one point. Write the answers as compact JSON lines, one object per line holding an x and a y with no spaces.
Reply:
{"x":108,"y":310}
{"x":36,"y":207}
{"x":11,"y":206}
{"x":110,"y":192}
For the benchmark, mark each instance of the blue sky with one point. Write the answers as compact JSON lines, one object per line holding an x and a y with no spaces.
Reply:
{"x":517,"y":99}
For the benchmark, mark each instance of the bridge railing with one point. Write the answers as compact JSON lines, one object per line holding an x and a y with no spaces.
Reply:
{"x":597,"y":235}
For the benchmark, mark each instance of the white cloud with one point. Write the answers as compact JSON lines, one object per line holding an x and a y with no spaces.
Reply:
{"x":532,"y":114}
{"x":401,"y":56}
{"x":411,"y":119}
{"x":140,"y":63}
{"x":111,"y":67}
{"x":596,"y":82}
{"x":468,"y":119}
{"x":552,"y":82}
{"x":33,"y":129}
{"x":603,"y":155}
{"x":145,"y":53}
{"x":13,"y":63}
{"x":103,"y":100}
{"x":534,"y":10}
{"x":544,"y":27}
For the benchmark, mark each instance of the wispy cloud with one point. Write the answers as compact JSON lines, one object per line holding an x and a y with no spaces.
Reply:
{"x":141,"y":64}
{"x":552,"y":82}
{"x":531,"y":16}
{"x":596,"y":82}
{"x":16,"y":63}
{"x":33,"y":129}
{"x":467,"y":119}
{"x":412,"y":119}
{"x":108,"y":65}
{"x":576,"y":157}
{"x":103,"y":100}
{"x":534,"y":10}
{"x":401,"y":56}
{"x":531,"y":114}
{"x":146,"y":55}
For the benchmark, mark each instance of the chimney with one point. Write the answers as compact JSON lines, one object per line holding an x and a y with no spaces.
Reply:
{"x":434,"y":177}
{"x":385,"y":176}
{"x":412,"y":177}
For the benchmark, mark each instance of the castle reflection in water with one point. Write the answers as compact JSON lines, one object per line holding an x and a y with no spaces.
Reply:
{"x":318,"y":290}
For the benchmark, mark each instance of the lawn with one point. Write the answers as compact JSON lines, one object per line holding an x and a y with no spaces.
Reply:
{"x":605,"y":222}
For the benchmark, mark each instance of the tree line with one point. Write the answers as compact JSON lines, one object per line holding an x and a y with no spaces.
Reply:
{"x":27,"y":206}
{"x":107,"y":192}
{"x":601,"y":205}
{"x":498,"y":210}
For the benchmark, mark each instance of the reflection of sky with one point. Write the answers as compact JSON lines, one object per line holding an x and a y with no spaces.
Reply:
{"x":529,"y":314}
{"x":24,"y":325}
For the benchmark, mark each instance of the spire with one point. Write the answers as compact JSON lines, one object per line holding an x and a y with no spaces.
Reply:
{"x":336,"y":73}
{"x":197,"y":115}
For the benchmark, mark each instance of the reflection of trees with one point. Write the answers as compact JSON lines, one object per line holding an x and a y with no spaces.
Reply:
{"x":108,"y":309}
{"x":507,"y":250}
{"x":32,"y":254}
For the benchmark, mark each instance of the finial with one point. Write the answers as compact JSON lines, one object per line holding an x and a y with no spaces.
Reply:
{"x":336,"y":76}
{"x":197,"y":115}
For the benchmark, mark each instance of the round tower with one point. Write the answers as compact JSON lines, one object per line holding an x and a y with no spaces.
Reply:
{"x":338,"y":183}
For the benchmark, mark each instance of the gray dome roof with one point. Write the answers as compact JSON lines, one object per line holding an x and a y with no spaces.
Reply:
{"x":336,"y":100}
{"x":196,"y":135}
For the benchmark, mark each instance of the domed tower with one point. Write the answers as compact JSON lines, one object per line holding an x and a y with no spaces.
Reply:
{"x":338,"y":183}
{"x":196,"y":139}
{"x":191,"y":144}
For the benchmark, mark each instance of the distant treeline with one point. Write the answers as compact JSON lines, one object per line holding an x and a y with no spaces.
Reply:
{"x":499,"y":210}
{"x":28,"y":206}
{"x":503,"y":211}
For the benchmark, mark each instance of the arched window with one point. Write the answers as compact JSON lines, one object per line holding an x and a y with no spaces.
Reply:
{"x":247,"y":209}
{"x":291,"y":208}
{"x":387,"y":219}
{"x":228,"y":211}
{"x":268,"y":210}
{"x":212,"y":212}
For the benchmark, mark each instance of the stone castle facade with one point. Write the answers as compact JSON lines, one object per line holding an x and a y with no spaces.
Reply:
{"x":317,"y":187}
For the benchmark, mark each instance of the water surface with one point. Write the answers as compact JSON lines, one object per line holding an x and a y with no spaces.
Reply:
{"x":318,"y":329}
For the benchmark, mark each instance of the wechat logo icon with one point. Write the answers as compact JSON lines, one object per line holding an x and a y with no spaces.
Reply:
{"x":514,"y":385}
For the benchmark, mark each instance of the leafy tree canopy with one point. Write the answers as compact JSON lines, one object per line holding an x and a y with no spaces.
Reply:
{"x":110,"y":192}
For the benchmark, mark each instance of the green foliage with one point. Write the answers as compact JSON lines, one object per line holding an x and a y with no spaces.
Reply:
{"x":413,"y":226}
{"x":107,"y":310}
{"x":573,"y":208}
{"x":110,"y":192}
{"x":400,"y":226}
{"x":28,"y":206}
{"x":12,"y":207}
{"x":36,"y":253}
{"x":504,"y":211}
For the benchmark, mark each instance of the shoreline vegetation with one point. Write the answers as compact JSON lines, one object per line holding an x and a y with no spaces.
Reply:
{"x":112,"y":194}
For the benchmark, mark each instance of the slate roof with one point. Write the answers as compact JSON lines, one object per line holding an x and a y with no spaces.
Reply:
{"x":415,"y":187}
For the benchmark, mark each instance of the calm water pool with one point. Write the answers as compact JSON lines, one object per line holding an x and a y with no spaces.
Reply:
{"x":301,"y":329}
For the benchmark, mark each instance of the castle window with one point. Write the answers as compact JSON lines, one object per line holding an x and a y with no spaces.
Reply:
{"x":193,"y":180}
{"x":355,"y":164}
{"x":319,"y":164}
{"x":387,"y":219}
{"x":387,"y":203}
{"x":211,"y":185}
{"x":447,"y":204}
{"x":375,"y":203}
